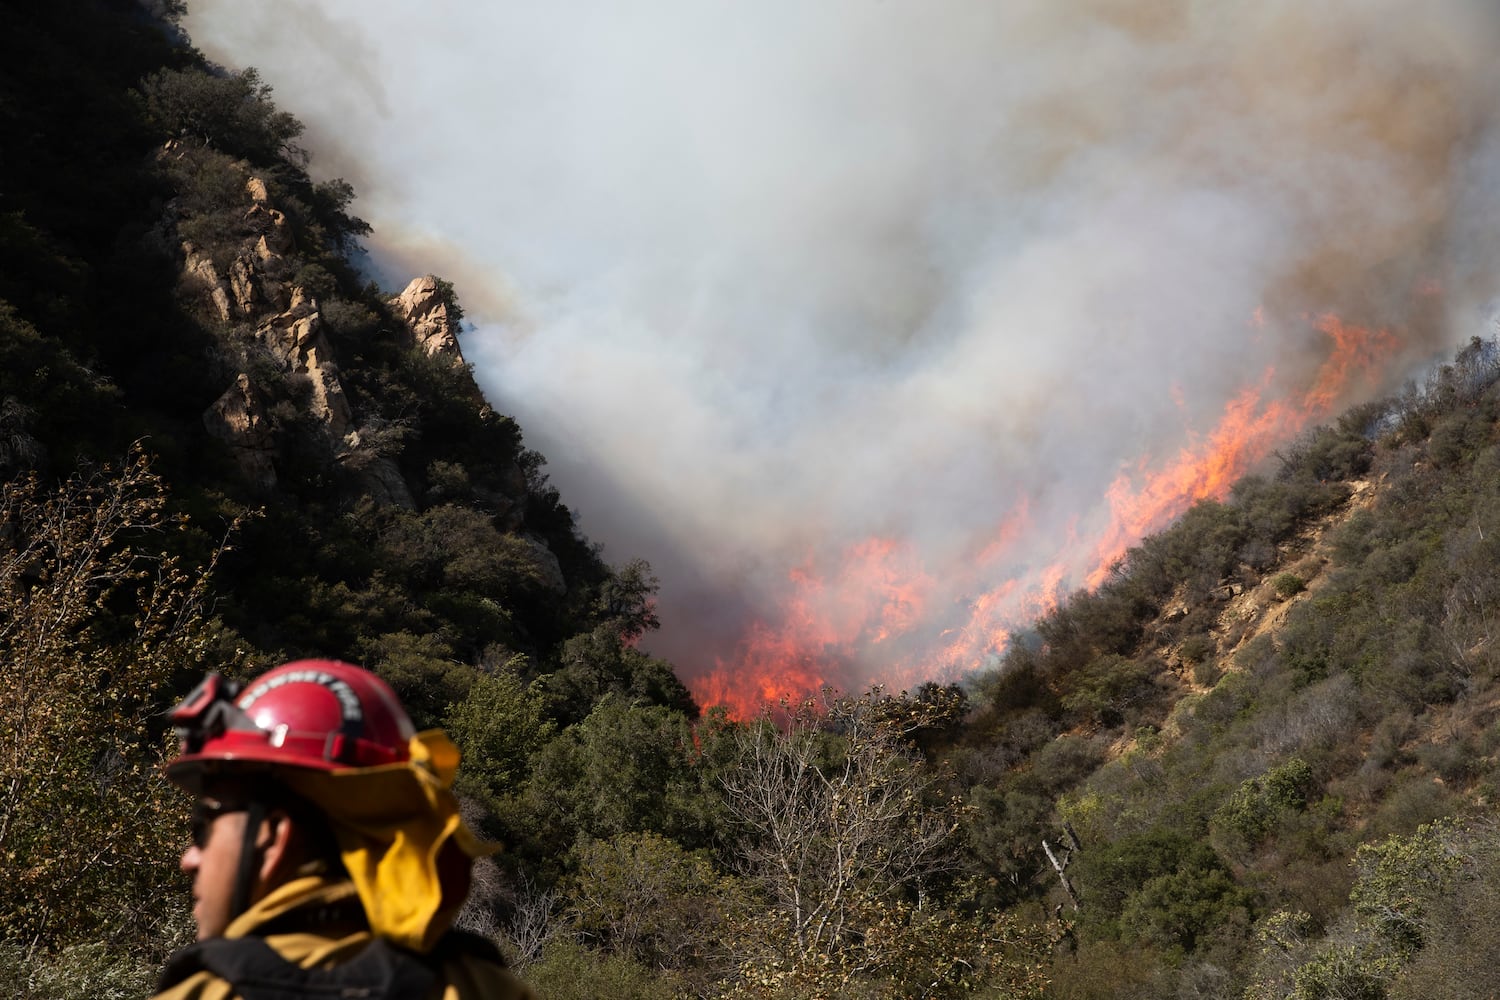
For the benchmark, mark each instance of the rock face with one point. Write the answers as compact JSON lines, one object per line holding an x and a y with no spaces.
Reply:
{"x":251,"y":286}
{"x":289,"y":325}
{"x":198,"y":268}
{"x":246,"y":282}
{"x":239,"y":419}
{"x":379,"y":475}
{"x":429,"y":326}
{"x":549,"y":569}
{"x":295,"y":338}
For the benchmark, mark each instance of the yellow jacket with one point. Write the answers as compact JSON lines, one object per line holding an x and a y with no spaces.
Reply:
{"x":316,"y":923}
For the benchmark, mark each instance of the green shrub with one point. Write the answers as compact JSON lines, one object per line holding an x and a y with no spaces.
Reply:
{"x":1207,"y":673}
{"x":1110,"y":873}
{"x":1259,"y":804}
{"x":1197,"y":648}
{"x":571,"y":972}
{"x":1288,"y":585}
{"x":81,"y":972}
{"x":1177,"y":910}
{"x":1109,"y":690}
{"x":1400,"y":877}
{"x":499,"y":726}
{"x":1328,"y":454}
{"x":1340,"y":973}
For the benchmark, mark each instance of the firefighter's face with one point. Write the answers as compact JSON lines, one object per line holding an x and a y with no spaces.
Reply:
{"x":213,"y":858}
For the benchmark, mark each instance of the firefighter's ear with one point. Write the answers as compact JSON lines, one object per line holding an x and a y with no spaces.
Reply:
{"x":277,"y":842}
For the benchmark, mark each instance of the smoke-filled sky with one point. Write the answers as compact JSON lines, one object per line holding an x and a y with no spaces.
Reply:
{"x":769,"y":280}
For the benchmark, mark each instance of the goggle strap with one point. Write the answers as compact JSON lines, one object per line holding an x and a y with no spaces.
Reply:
{"x":249,"y":860}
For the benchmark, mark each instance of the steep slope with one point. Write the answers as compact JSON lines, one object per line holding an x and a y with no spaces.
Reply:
{"x":195,"y":293}
{"x":184,"y":345}
{"x":1266,"y":690}
{"x":1235,"y":748}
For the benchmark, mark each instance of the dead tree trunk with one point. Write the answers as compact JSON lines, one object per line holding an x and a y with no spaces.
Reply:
{"x":1061,"y":867}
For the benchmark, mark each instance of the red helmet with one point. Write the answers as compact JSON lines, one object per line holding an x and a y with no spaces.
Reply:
{"x":316,"y":714}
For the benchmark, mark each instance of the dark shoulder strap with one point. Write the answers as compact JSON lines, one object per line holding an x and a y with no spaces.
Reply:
{"x":258,"y":972}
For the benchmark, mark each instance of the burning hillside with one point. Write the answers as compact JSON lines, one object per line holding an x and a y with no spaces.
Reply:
{"x":877,"y":328}
{"x":881,"y":617}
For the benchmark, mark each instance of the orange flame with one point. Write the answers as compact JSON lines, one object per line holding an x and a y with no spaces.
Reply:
{"x":1247,"y":433}
{"x":879,"y":592}
{"x":876,"y":606}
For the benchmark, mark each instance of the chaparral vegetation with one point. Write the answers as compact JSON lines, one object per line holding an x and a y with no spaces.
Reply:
{"x":1258,"y":761}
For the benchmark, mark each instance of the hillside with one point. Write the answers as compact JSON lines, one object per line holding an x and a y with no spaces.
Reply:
{"x":1258,"y":761}
{"x":1243,"y":734}
{"x":272,"y":456}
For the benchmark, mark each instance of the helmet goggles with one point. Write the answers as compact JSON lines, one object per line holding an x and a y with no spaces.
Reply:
{"x":309,"y":717}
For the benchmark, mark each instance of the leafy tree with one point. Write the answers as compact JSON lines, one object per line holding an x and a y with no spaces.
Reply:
{"x":94,"y":629}
{"x":641,"y":896}
{"x":1110,"y":873}
{"x":330,"y":205}
{"x":1254,"y":809}
{"x":626,"y":601}
{"x":601,"y":663}
{"x":449,"y":295}
{"x":229,"y":111}
{"x":499,"y":727}
{"x":457,"y":547}
{"x":1178,"y":910}
{"x":423,"y":671}
{"x":623,"y":769}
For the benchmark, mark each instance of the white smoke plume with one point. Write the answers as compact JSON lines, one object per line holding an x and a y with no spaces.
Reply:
{"x":766,"y":279}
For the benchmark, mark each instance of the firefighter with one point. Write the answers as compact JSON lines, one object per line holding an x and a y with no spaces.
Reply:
{"x":328,"y":857}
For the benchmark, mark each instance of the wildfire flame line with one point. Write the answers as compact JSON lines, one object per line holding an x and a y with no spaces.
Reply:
{"x":882,"y":605}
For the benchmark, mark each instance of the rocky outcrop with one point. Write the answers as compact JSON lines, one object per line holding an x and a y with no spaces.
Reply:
{"x":381,"y":479}
{"x":239,"y":419}
{"x":198,"y":269}
{"x":273,"y":237}
{"x":548,"y":569}
{"x":295,"y":338}
{"x":265,"y":262}
{"x":250,"y":287}
{"x":289,"y":325}
{"x":243,"y":288}
{"x":424,"y":309}
{"x":254,"y":288}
